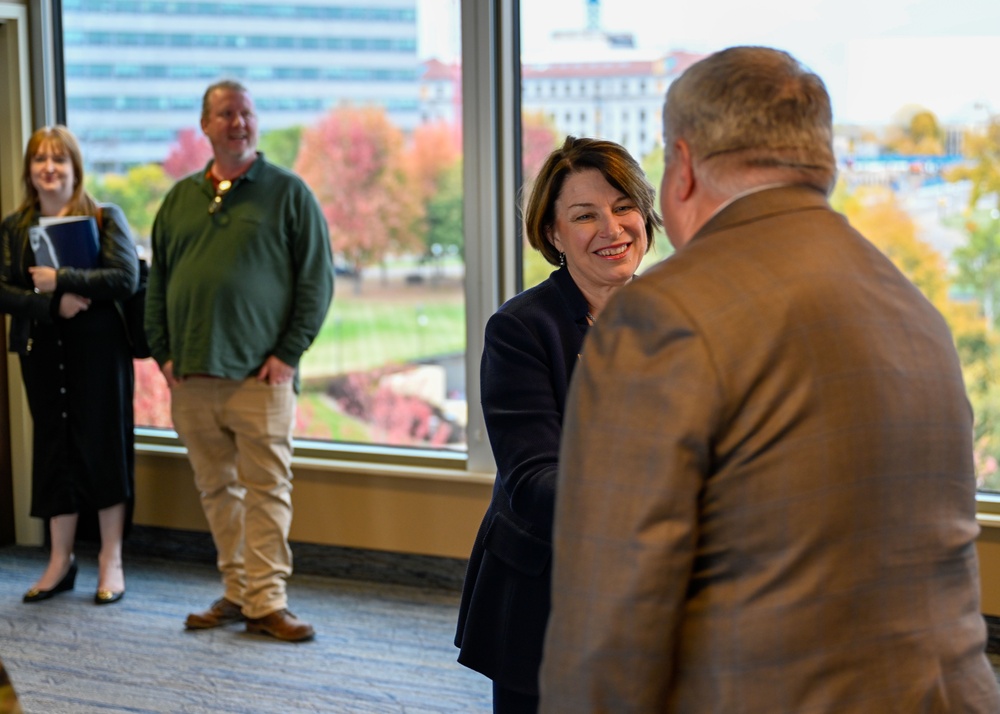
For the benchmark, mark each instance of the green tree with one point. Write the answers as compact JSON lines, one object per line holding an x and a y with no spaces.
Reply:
{"x":535,"y":268}
{"x":138,"y":193}
{"x":281,"y":146}
{"x":924,"y":127}
{"x":444,"y":212}
{"x":653,"y":166}
{"x":978,"y":265}
{"x":978,"y":270}
{"x":539,"y":138}
{"x":434,"y":162}
{"x":982,"y":170}
{"x":917,"y":133}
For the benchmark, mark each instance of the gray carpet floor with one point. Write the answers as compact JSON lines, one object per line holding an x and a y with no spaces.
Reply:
{"x":379,"y":648}
{"x":383,"y":644}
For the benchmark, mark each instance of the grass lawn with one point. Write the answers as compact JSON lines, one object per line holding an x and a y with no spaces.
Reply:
{"x":319,"y":419}
{"x":961,"y":220}
{"x":382,"y":324}
{"x":387,"y":325}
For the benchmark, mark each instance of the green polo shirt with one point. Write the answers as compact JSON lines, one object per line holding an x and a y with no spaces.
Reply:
{"x":228,"y":289}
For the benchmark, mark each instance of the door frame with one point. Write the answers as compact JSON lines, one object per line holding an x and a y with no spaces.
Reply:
{"x":15,"y":421}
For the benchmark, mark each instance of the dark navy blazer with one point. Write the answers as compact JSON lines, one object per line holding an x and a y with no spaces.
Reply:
{"x":532,"y":345}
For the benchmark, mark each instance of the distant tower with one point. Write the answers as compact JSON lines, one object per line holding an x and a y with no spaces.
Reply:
{"x":593,"y":15}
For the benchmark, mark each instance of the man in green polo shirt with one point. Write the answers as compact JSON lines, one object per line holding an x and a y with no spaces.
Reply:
{"x":240,"y":283}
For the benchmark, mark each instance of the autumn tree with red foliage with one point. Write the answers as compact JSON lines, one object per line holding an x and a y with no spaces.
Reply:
{"x":353,"y":160}
{"x":434,"y":162}
{"x":434,"y":148}
{"x":152,"y":396}
{"x":393,"y":418}
{"x":191,"y":152}
{"x":539,"y":138}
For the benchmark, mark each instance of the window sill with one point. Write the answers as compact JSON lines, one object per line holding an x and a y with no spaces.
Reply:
{"x":988,"y":510}
{"x":373,"y":461}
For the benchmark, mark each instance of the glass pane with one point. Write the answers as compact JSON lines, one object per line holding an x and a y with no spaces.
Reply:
{"x":917,"y":130}
{"x":362,"y":100}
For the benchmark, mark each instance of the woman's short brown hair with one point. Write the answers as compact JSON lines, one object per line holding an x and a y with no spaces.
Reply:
{"x":615,"y":164}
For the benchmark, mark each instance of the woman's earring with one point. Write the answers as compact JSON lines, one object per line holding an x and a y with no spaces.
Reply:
{"x":562,"y":260}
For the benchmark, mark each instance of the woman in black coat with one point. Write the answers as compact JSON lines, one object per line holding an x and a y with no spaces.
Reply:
{"x":591,"y":213}
{"x":75,"y":362}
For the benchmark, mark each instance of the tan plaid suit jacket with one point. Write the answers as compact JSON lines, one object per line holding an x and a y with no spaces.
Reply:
{"x":766,"y":499}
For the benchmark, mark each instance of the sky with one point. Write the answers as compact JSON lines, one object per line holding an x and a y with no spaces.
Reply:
{"x":876,"y":56}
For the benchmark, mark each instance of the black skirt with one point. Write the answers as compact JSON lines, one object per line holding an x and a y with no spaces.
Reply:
{"x":79,"y":379}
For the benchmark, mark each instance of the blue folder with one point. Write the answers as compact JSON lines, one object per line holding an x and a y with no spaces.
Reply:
{"x":71,"y":242}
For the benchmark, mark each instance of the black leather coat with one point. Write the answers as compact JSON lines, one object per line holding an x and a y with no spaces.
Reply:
{"x":116,"y":279}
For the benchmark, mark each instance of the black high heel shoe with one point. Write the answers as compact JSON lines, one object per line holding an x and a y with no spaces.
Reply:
{"x":67,"y":583}
{"x":103,"y":596}
{"x":106,"y":597}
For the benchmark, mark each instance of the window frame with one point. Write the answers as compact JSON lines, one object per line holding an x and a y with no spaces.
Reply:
{"x":490,"y":66}
{"x":491,"y":86}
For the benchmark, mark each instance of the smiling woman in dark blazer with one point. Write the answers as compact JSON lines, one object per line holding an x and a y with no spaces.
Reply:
{"x":591,"y":213}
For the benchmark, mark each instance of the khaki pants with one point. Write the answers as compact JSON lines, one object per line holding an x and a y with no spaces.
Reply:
{"x":239,"y":440}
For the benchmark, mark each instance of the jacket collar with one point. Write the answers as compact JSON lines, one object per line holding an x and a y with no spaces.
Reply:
{"x":764,"y":204}
{"x":575,"y":302}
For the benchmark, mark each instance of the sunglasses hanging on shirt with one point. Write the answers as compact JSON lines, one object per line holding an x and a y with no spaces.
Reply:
{"x":220,"y":191}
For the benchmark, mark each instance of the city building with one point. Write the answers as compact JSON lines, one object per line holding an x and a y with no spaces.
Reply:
{"x":620,"y":98}
{"x":441,"y":92}
{"x":136,"y":69}
{"x":617,"y":93}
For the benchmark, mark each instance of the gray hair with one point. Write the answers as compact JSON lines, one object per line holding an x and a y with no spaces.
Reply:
{"x":751,"y":115}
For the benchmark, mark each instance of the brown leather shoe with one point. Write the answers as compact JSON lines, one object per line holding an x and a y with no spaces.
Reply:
{"x":282,"y":625}
{"x":222,"y":612}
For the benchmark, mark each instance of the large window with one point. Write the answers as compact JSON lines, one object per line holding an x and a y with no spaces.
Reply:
{"x":361,"y":98}
{"x":917,"y":133}
{"x":917,"y":129}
